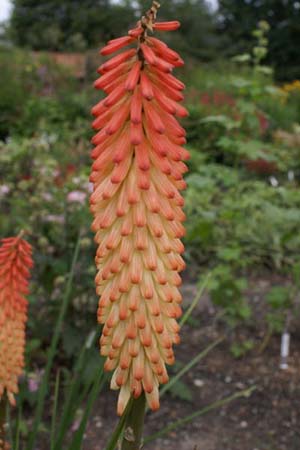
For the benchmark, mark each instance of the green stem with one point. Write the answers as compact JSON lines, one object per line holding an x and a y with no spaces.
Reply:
{"x":54,"y":411}
{"x":3,"y":409}
{"x":188,"y":366}
{"x":196,"y":300}
{"x":265,"y":341}
{"x":115,"y":438}
{"x":133,"y":432}
{"x":52,"y":350}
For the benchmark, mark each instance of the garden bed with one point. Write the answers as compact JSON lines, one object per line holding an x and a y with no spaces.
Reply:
{"x":267,"y":420}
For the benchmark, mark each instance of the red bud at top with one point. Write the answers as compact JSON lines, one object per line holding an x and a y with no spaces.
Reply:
{"x":166,"y":26}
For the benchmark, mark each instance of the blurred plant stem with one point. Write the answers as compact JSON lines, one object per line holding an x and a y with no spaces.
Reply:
{"x":53,"y":348}
{"x":3,"y":408}
{"x":134,"y":425}
{"x":265,"y":341}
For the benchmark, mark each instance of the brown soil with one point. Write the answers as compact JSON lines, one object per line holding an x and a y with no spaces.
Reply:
{"x":268,"y":420}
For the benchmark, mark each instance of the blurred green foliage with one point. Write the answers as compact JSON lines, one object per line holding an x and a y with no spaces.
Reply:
{"x":35,"y":90}
{"x":67,"y":25}
{"x":205,"y":34}
{"x":242,"y":201}
{"x":77,"y":25}
{"x":237,"y":19}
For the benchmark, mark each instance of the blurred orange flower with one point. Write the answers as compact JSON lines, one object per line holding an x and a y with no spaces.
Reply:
{"x":15,"y":262}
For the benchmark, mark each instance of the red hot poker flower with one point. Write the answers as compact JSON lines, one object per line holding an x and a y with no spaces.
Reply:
{"x":137,"y":175}
{"x":15,"y":262}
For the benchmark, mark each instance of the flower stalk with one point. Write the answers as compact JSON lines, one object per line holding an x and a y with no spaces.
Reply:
{"x":133,"y":431}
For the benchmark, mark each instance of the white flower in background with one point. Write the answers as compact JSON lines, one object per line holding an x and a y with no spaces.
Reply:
{"x":88,"y":187}
{"x":47,"y":196}
{"x":4,"y":189}
{"x":76,"y":180}
{"x":55,"y":218}
{"x":273,"y":181}
{"x":76,"y":196}
{"x":56,"y":173}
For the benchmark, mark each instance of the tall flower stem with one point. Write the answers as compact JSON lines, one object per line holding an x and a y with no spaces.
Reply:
{"x":133,"y":432}
{"x":3,"y":407}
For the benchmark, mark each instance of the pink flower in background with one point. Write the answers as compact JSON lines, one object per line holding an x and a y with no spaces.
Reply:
{"x":34,"y":380}
{"x":54,"y":218}
{"x":4,"y":189}
{"x":77,"y":420}
{"x":89,"y":187}
{"x":76,"y":196}
{"x":75,"y":425}
{"x":47,"y":196}
{"x":33,"y":384}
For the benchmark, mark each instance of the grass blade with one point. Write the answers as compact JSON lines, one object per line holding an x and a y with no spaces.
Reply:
{"x":72,"y":394}
{"x":54,"y":412}
{"x":99,"y":382}
{"x":52,"y":350}
{"x":18,"y":429}
{"x":200,"y":412}
{"x":188,"y":366}
{"x":196,"y":300}
{"x":3,"y":420}
{"x":9,"y":422}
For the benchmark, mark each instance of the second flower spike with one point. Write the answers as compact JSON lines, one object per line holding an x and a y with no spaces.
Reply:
{"x":15,"y":264}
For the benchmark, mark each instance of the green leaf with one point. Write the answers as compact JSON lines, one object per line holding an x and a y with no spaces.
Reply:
{"x":75,"y":392}
{"x":180,"y":390}
{"x":245,"y":57}
{"x":265,"y":70}
{"x":244,"y":311}
{"x":223,"y":120}
{"x":279,"y":297}
{"x":239,"y":349}
{"x":276,"y":321}
{"x":202,"y":231}
{"x":229,"y":254}
{"x":200,"y":182}
{"x":52,"y":351}
{"x":72,"y":340}
{"x":99,"y":380}
{"x":32,"y":345}
{"x":273,"y":90}
{"x":226,"y":143}
{"x":296,"y":273}
{"x":240,"y":82}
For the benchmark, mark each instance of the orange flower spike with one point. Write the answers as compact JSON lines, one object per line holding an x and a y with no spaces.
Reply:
{"x":15,"y":262}
{"x":137,"y":208}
